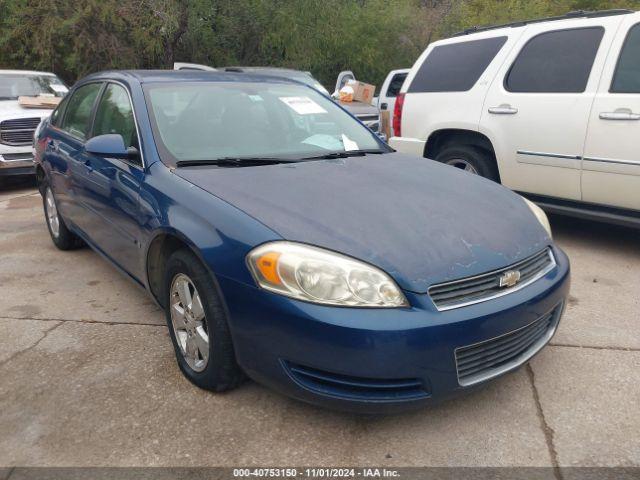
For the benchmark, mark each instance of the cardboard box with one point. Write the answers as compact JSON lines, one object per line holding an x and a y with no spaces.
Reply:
{"x":385,"y":123}
{"x":362,"y":92}
{"x":39,"y":102}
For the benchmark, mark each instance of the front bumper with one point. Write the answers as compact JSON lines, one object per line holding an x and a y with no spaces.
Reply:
{"x":376,"y":360}
{"x":18,"y":161}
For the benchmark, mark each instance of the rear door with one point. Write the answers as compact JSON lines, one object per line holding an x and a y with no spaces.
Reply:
{"x":110,"y":187}
{"x":537,"y":109}
{"x":611,"y":162}
{"x":388,"y":93}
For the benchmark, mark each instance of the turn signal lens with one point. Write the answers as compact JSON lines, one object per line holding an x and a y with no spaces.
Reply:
{"x":321,"y":276}
{"x":267,"y":265}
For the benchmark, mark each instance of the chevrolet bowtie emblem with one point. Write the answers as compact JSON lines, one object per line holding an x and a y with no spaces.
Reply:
{"x":510,"y":278}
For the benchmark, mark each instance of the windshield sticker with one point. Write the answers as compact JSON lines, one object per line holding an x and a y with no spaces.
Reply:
{"x":58,"y":88}
{"x":348,"y":144}
{"x":256,"y":98}
{"x":328,"y":142}
{"x":303,"y":105}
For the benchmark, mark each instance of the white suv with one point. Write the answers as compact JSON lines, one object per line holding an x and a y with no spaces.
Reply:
{"x":18,"y":122}
{"x":549,"y":108}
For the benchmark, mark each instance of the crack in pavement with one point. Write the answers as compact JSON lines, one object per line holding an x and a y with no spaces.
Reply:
{"x":84,"y":320}
{"x":31,"y":347}
{"x":595,"y":347}
{"x":546,"y":429}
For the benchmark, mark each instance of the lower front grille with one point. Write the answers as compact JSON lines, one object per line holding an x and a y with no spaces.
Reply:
{"x":356,"y":388}
{"x":482,"y":361}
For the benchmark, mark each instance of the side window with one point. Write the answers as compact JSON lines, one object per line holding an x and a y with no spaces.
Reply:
{"x":56,"y":116}
{"x":456,"y":67}
{"x":555,"y":62}
{"x":78,"y":112}
{"x":396,"y":84}
{"x":627,"y":76}
{"x":115,"y":115}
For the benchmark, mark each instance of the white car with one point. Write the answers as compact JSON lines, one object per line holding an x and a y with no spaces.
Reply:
{"x":550,"y":108}
{"x":19,"y":123}
{"x":390,"y":89}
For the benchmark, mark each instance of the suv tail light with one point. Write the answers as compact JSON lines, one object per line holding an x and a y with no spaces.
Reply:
{"x":397,"y":115}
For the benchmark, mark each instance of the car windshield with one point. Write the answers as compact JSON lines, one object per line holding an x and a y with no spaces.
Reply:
{"x":212,"y":120}
{"x":14,"y":85}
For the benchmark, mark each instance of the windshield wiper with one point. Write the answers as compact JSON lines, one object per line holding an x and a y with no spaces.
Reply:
{"x":233,"y":161}
{"x":345,"y":154}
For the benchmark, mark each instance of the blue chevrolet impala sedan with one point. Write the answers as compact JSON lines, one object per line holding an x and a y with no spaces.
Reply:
{"x":288,"y":243}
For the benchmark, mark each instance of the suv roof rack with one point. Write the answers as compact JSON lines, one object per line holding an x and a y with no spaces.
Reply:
{"x":566,"y":16}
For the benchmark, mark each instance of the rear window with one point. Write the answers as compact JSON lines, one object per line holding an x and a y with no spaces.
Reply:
{"x":555,"y":62}
{"x":456,"y":67}
{"x":627,"y":76}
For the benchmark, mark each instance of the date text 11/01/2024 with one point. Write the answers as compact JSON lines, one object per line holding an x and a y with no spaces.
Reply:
{"x":316,"y":472}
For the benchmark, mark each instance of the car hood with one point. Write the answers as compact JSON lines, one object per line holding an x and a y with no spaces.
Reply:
{"x":12,"y":109}
{"x":420,"y":221}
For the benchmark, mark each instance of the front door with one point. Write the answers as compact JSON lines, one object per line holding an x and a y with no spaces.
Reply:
{"x":537,"y":107}
{"x":611,"y":162}
{"x":66,"y":153}
{"x":110,"y":187}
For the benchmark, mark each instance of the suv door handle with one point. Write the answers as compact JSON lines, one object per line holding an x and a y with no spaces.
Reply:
{"x":504,"y":109}
{"x":89,"y":166}
{"x":384,"y":106}
{"x":620,"y":114}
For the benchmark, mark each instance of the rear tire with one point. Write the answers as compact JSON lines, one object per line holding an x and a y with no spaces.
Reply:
{"x":62,"y":237}
{"x":196,"y":317}
{"x":471,"y":159}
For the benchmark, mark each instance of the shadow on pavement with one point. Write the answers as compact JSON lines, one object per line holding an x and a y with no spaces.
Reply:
{"x":587,"y":233}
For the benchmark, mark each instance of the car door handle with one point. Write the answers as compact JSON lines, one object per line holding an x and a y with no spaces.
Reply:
{"x":384,"y":106}
{"x":503,"y":109}
{"x":620,"y":114}
{"x":51,"y":145}
{"x":89,"y":166}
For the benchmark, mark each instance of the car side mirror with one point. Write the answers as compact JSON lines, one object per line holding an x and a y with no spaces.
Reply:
{"x":110,"y":145}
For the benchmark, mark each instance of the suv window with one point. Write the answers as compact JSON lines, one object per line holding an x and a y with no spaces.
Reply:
{"x":627,"y":76}
{"x":555,"y":62}
{"x":456,"y":67}
{"x":78,"y":112}
{"x":115,"y":115}
{"x":396,"y":84}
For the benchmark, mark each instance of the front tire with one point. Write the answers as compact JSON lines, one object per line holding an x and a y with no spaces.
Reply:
{"x":198,"y":325}
{"x":470,"y":159}
{"x":62,"y":237}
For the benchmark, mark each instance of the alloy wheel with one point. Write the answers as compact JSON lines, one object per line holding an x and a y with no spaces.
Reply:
{"x":52,"y":213}
{"x":189,"y":322}
{"x":462,"y":164}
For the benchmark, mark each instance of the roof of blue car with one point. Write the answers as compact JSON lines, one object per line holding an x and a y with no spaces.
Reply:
{"x":167,"y":76}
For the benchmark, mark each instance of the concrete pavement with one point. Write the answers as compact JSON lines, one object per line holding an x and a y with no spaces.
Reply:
{"x":88,"y":377}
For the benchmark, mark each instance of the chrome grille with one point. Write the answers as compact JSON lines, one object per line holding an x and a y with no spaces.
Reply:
{"x":18,"y":131}
{"x":467,"y":291}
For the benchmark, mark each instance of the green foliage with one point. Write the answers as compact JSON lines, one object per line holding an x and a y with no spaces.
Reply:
{"x":469,"y":13}
{"x":369,"y":37}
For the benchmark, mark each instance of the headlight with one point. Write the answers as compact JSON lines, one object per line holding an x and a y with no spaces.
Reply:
{"x":540,"y":215}
{"x":321,"y":276}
